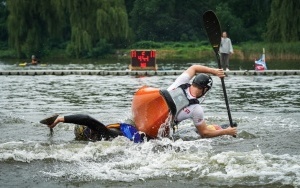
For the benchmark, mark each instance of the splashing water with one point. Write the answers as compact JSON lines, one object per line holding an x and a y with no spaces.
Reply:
{"x":264,"y":154}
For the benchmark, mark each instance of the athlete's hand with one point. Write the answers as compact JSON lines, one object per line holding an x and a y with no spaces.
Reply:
{"x":231,"y":131}
{"x":219,"y":72}
{"x":58,"y":120}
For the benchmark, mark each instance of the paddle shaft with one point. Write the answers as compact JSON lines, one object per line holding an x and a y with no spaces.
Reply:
{"x":213,"y":31}
{"x":224,"y":92}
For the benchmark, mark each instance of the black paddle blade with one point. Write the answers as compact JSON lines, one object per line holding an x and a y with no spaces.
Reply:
{"x":213,"y":29}
{"x":49,"y":120}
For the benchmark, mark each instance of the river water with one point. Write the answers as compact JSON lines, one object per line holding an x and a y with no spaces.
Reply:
{"x":265,"y":153}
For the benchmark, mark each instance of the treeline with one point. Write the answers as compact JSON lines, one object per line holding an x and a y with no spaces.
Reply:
{"x":93,"y":28}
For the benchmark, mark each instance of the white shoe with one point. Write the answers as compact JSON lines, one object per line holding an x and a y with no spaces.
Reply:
{"x":227,"y":69}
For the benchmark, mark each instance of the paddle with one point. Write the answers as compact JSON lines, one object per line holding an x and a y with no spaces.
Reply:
{"x":48,"y":121}
{"x":213,"y":30}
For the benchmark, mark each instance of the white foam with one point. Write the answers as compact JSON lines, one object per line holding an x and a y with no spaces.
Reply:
{"x":123,"y":160}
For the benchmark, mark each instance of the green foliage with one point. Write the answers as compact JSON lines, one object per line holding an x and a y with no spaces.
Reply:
{"x":284,"y":48}
{"x":283,"y":23}
{"x":244,"y":20}
{"x":93,"y":28}
{"x":174,"y":20}
{"x":30,"y":24}
{"x":7,"y":53}
{"x":276,"y":50}
{"x":3,"y":45}
{"x":3,"y":26}
{"x":184,"y":46}
{"x":178,"y":44}
{"x":102,"y":48}
{"x":34,"y":25}
{"x":146,"y":45}
{"x":230,"y":23}
{"x":94,"y":21}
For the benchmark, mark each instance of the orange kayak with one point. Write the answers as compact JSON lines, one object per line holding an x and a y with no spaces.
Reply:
{"x":150,"y":110}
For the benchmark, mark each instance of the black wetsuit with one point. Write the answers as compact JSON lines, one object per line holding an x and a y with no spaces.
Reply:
{"x":98,"y":130}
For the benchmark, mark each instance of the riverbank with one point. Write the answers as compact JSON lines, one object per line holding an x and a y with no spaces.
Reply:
{"x":244,"y":52}
{"x":183,"y":51}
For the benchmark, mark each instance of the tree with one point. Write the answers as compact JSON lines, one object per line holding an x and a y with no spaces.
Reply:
{"x":189,"y":20}
{"x":30,"y":23}
{"x":95,"y":21}
{"x":172,"y":20}
{"x":230,"y":23}
{"x":151,"y":19}
{"x":284,"y":21}
{"x":36,"y":25}
{"x":3,"y":23}
{"x":246,"y":20}
{"x":254,"y":18}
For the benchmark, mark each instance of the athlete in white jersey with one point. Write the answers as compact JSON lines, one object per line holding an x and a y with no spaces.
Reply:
{"x":200,"y":85}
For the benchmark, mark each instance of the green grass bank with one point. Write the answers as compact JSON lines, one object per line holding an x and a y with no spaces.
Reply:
{"x":186,"y":51}
{"x":203,"y":50}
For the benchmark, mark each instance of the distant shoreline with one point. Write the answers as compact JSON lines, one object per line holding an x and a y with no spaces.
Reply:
{"x":167,"y":54}
{"x":181,"y":51}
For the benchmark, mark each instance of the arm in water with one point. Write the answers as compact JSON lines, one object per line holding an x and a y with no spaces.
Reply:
{"x":214,"y":131}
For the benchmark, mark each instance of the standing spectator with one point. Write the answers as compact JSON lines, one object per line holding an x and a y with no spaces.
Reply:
{"x":225,"y":50}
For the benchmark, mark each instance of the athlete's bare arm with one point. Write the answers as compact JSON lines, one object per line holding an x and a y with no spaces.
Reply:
{"x":194,"y":69}
{"x":208,"y":133}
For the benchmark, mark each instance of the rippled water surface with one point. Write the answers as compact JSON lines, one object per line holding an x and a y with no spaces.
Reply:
{"x":266,"y":152}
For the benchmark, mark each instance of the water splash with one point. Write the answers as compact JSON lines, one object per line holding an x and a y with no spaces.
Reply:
{"x":166,"y":129}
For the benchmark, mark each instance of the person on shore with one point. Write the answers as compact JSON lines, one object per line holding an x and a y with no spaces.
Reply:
{"x":225,"y":50}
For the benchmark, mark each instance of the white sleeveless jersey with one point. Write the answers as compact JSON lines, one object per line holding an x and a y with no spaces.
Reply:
{"x":194,"y":111}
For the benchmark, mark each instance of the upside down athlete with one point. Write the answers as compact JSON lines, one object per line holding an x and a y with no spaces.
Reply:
{"x":88,"y":128}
